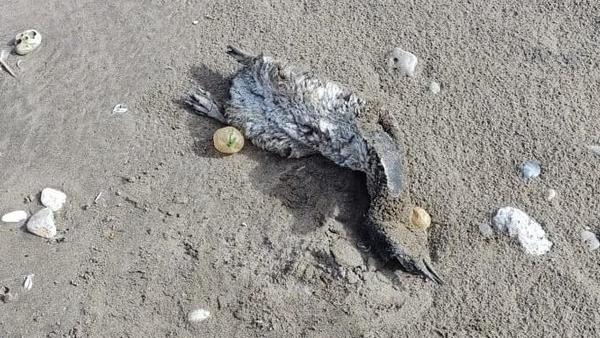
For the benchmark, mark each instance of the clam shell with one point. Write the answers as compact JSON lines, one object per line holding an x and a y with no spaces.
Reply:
{"x":228,"y":140}
{"x":15,"y":216}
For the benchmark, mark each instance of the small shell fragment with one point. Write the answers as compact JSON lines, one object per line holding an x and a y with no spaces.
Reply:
{"x":120,"y":109}
{"x":403,"y":61}
{"x":420,"y":219}
{"x":434,"y":87}
{"x":28,"y":283}
{"x":550,"y":195}
{"x":53,"y":199}
{"x":15,"y":216}
{"x":228,"y":140}
{"x":27,"y":41}
{"x":530,"y":169}
{"x":198,"y":315}
{"x":590,"y":240}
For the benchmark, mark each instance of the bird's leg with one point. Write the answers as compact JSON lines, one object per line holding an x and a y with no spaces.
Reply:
{"x":203,"y":104}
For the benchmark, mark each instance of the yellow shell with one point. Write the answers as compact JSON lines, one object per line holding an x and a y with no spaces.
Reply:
{"x":228,"y":140}
{"x":419,"y":219}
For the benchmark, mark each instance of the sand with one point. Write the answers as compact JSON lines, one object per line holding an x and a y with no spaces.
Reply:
{"x":249,"y":237}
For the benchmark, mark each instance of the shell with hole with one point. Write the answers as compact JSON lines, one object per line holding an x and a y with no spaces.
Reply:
{"x":228,"y":140}
{"x":27,"y":41}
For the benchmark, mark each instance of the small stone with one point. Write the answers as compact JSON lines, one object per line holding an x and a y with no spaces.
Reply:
{"x":530,"y":169}
{"x":53,"y":199}
{"x":434,"y":87}
{"x":345,"y":254}
{"x":420,"y":219}
{"x":198,"y":315}
{"x":486,"y":230}
{"x":15,"y":216}
{"x":590,"y":240}
{"x":550,"y":195}
{"x":228,"y":140}
{"x":403,"y":61}
{"x":42,"y":223}
{"x":195,"y":22}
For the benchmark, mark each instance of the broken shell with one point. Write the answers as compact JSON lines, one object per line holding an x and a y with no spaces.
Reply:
{"x":42,"y":223}
{"x":228,"y":140}
{"x":402,"y":60}
{"x":15,"y":216}
{"x":516,"y":223}
{"x":198,"y":315}
{"x":590,"y":240}
{"x":27,"y":41}
{"x":53,"y":199}
{"x":420,"y":219}
{"x":120,"y":109}
{"x":530,"y":169}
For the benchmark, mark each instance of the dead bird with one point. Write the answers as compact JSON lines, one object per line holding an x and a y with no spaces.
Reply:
{"x":293,"y":113}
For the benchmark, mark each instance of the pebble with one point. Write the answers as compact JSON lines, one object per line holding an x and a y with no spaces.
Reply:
{"x":420,"y":219}
{"x":15,"y":216}
{"x":550,"y":195}
{"x":518,"y":224}
{"x":530,"y":169}
{"x":404,"y":61}
{"x":195,"y":22}
{"x":27,"y":41}
{"x":486,"y":230}
{"x":53,"y":199}
{"x":42,"y":223}
{"x":345,"y":254}
{"x":434,"y":87}
{"x":198,"y":315}
{"x":590,"y":240}
{"x":228,"y":140}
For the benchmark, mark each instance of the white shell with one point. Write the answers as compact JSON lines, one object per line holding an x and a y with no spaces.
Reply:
{"x":518,"y":224}
{"x":120,"y":109}
{"x":15,"y":216}
{"x":198,"y":315}
{"x":434,"y":87}
{"x":53,"y":199}
{"x":404,"y":61}
{"x":550,"y":194}
{"x":27,"y":41}
{"x":42,"y":223}
{"x":590,"y":240}
{"x":28,"y":283}
{"x":530,"y":169}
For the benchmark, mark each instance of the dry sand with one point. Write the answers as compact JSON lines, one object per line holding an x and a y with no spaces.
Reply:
{"x":519,"y":80}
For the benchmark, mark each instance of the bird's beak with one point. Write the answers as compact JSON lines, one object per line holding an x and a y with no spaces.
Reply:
{"x":428,"y":272}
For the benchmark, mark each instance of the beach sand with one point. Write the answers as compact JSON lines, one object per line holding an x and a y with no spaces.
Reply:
{"x":248,"y":237}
